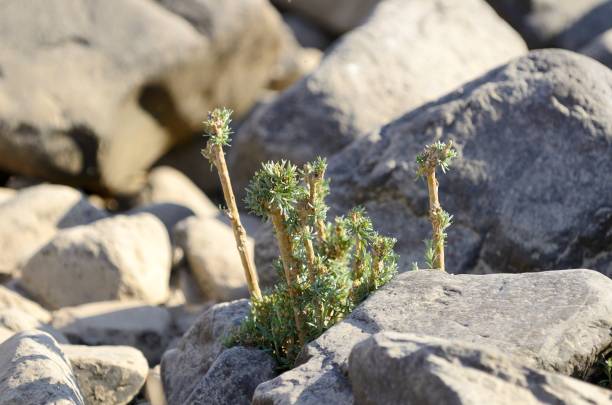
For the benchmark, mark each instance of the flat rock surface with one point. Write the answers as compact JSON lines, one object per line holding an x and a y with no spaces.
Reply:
{"x":107,"y":375}
{"x":557,"y":321}
{"x":408,"y":53}
{"x":136,"y":324}
{"x":530,"y":189}
{"x":451,"y":372}
{"x":34,"y":370}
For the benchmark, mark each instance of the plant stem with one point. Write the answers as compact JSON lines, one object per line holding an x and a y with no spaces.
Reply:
{"x":314,"y":184}
{"x":289,"y":268}
{"x":239,"y":232}
{"x":434,"y":215}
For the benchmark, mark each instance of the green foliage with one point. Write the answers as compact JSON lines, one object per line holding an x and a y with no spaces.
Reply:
{"x":438,"y":154}
{"x":333,"y":265}
{"x":217,"y":126}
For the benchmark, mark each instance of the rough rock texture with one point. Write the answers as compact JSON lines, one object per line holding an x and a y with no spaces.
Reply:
{"x":119,"y":258}
{"x":90,"y":102}
{"x":394,"y":368}
{"x":168,"y":185}
{"x":182,"y":368}
{"x":33,"y":370}
{"x":337,"y":17}
{"x":600,"y":48}
{"x":14,"y":320}
{"x":556,"y":321}
{"x":144,"y":327}
{"x":233,"y":377}
{"x":530,"y":189}
{"x":11,"y":300}
{"x":408,"y":53}
{"x":544,"y":23}
{"x":210,"y":250}
{"x":34,"y":215}
{"x":107,"y":375}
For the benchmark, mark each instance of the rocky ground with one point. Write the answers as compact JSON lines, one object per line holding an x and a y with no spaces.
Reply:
{"x":120,"y":277}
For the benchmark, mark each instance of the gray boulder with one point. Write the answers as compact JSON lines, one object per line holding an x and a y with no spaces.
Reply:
{"x":118,"y":258}
{"x":530,"y":188}
{"x":233,"y":377}
{"x":539,"y":319}
{"x":600,"y":48}
{"x":125,"y":98}
{"x":372,"y":75}
{"x":34,"y":370}
{"x":135,"y":324}
{"x":34,"y":215}
{"x":107,"y":375}
{"x":393,"y":368}
{"x":183,"y":367}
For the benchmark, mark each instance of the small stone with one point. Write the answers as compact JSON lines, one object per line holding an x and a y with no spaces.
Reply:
{"x":154,"y":389}
{"x":107,"y":375}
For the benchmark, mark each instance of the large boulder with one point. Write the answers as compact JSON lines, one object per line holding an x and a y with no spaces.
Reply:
{"x":451,"y":372}
{"x":135,"y":324}
{"x":10,"y":300}
{"x":530,"y":189}
{"x":34,"y":215}
{"x":233,"y":377}
{"x":107,"y":375}
{"x":119,"y":258}
{"x":183,"y":367}
{"x":337,"y":17}
{"x":90,"y":102}
{"x":210,"y":249}
{"x":15,"y":320}
{"x":372,"y":75}
{"x":34,"y":370}
{"x":539,"y":319}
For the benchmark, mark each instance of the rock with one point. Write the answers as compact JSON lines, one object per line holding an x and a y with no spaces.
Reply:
{"x":529,"y":189}
{"x":154,"y":389}
{"x":544,"y":23}
{"x":11,"y":300}
{"x":596,"y":21}
{"x":168,"y":185}
{"x":600,"y":48}
{"x":136,"y":324}
{"x":295,"y":66}
{"x":182,"y":368}
{"x":170,"y":214}
{"x":15,"y":320}
{"x":337,"y":17}
{"x":119,"y":258}
{"x":450,"y":372}
{"x":31,"y":218}
{"x":125,"y":99}
{"x":538,"y":319}
{"x":372,"y":75}
{"x":6,"y":194}
{"x":266,"y":253}
{"x":306,"y":33}
{"x":107,"y":375}
{"x":210,"y":249}
{"x":233,"y":377}
{"x":34,"y":370}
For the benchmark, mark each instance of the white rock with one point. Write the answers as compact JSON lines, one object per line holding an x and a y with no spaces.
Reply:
{"x":154,"y":389}
{"x":9,"y":299}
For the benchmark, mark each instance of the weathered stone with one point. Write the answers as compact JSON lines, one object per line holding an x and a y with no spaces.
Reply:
{"x":182,"y":368}
{"x":210,"y":249}
{"x":600,"y":48}
{"x":144,"y":327}
{"x":107,"y":375}
{"x":556,"y":321}
{"x":530,"y":188}
{"x":14,"y":320}
{"x":88,"y":102}
{"x":33,"y":370}
{"x":34,"y":215}
{"x":119,"y":258}
{"x":233,"y":377}
{"x":373,"y":74}
{"x":168,"y":185}
{"x":338,"y":16}
{"x":11,"y":300}
{"x":393,"y":368}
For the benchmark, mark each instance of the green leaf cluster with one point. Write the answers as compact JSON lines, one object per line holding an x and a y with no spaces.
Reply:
{"x":334,"y":264}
